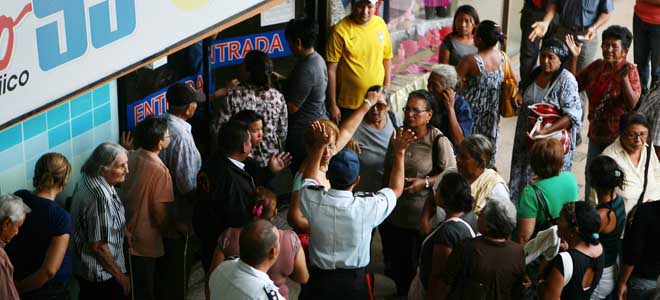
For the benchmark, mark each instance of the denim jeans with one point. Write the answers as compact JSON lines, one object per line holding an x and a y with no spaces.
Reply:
{"x":641,"y":289}
{"x":646,"y":38}
{"x":607,"y":283}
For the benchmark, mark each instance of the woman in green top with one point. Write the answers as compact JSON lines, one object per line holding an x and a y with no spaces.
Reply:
{"x":558,"y":188}
{"x":606,"y":176}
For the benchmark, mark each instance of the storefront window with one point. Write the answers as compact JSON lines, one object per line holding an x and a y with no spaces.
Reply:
{"x":401,"y":14}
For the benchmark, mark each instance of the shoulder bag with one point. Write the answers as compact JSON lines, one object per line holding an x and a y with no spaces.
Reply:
{"x":509,"y":90}
{"x":543,"y":115}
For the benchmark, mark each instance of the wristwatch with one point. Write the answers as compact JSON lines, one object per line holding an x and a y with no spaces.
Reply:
{"x":367,"y":102}
{"x":426,"y":181}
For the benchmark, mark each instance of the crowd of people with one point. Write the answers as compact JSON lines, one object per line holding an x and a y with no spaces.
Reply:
{"x":143,"y":212}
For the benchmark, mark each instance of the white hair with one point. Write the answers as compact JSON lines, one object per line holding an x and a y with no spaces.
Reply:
{"x":12,"y":207}
{"x":448,"y":74}
{"x":500,"y":217}
{"x":103,"y":157}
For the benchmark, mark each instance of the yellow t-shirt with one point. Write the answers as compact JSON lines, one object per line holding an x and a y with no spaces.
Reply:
{"x":359,"y":50}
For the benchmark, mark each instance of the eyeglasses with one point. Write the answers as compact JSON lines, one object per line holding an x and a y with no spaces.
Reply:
{"x":635,"y":135}
{"x":414,"y":111}
{"x":379,"y":107}
{"x":611,"y":46}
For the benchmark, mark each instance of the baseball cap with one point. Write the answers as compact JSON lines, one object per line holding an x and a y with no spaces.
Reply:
{"x":344,"y":168}
{"x":181,"y":94}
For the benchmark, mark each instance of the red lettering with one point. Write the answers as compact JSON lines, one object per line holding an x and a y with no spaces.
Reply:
{"x":162,"y":105}
{"x":149,"y":108}
{"x":261,"y":43}
{"x":247,"y":47}
{"x":221,"y":47}
{"x":138,"y":113}
{"x":212,"y":58}
{"x":234,"y":47}
{"x":276,"y":45}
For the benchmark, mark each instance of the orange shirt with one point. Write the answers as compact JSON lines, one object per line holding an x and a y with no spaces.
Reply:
{"x":649,"y":13}
{"x":147,"y":183}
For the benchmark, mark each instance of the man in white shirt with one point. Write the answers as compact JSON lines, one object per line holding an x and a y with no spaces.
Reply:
{"x":245,"y":277}
{"x":341,"y":223}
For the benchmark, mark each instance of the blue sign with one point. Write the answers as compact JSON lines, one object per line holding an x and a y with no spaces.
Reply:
{"x":231,"y":51}
{"x":156,"y":103}
{"x":74,"y":16}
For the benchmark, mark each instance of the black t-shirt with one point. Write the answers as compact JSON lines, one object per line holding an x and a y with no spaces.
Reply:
{"x":641,"y":245}
{"x":27,"y":249}
{"x":449,"y":235}
{"x":581,"y":262}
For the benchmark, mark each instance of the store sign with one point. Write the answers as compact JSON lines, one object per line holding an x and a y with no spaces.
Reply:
{"x":156,"y":103}
{"x":231,"y":51}
{"x":50,"y":49}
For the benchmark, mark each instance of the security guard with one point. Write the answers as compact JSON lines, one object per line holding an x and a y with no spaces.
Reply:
{"x":341,"y":222}
{"x":245,"y":277}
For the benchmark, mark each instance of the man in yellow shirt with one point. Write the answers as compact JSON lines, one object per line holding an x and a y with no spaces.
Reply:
{"x":359,"y":55}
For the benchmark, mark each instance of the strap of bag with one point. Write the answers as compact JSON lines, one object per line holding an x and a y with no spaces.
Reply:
{"x":552,"y":86}
{"x":426,"y":239}
{"x":631,"y":215}
{"x":395,"y":124}
{"x":472,"y":233}
{"x":646,"y":175}
{"x":508,"y":73}
{"x":434,"y":154}
{"x":567,"y":261}
{"x":455,"y":219}
{"x":543,"y":204}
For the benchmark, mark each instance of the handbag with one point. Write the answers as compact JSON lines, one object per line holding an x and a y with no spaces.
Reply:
{"x":543,"y":115}
{"x":509,"y":90}
{"x":532,"y":292}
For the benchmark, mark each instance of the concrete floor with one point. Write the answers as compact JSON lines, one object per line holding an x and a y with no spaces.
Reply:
{"x":384,"y":286}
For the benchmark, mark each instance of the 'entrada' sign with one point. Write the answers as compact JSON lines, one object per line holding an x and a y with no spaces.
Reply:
{"x":231,"y":51}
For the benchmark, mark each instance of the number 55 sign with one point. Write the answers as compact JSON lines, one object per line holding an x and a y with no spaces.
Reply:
{"x":109,"y":21}
{"x":52,"y":49}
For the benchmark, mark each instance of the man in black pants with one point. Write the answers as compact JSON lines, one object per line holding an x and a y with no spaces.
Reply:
{"x":533,"y":11}
{"x":341,"y":223}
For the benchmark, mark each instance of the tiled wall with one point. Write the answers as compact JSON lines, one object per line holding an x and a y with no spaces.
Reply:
{"x":72,"y":128}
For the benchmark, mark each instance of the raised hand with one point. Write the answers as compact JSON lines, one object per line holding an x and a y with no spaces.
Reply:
{"x":279,"y":161}
{"x":126,"y":140}
{"x":574,"y":47}
{"x":402,"y":138}
{"x":321,"y":134}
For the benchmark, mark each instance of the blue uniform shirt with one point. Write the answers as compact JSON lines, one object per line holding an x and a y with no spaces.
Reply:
{"x":341,"y":224}
{"x":581,"y":14}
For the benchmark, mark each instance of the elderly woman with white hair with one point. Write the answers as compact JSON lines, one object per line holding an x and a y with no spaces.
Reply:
{"x":453,"y":114}
{"x":490,"y":266}
{"x":12,"y":215}
{"x":99,"y":225}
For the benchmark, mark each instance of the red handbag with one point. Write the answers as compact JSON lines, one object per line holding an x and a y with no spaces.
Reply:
{"x":543,"y":115}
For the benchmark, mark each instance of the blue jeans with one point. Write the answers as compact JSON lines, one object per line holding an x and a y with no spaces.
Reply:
{"x":593,"y":150}
{"x":640,"y":288}
{"x":646,"y":37}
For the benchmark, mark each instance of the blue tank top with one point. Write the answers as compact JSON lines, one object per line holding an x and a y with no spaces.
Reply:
{"x":612,"y":241}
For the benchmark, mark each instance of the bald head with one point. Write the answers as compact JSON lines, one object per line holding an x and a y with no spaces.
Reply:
{"x":259,"y":242}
